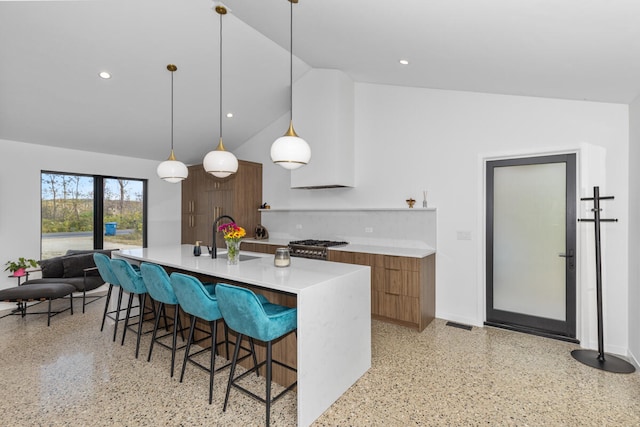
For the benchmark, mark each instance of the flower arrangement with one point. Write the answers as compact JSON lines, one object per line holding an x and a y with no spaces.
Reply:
{"x":232,"y":235}
{"x":232,"y":231}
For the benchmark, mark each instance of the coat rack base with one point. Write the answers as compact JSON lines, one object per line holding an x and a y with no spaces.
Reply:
{"x":609,"y":363}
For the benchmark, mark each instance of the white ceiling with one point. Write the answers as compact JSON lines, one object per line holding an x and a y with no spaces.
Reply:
{"x":52,"y":51}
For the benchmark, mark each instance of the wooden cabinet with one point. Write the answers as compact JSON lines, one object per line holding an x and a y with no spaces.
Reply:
{"x":263,"y":248}
{"x":402,"y":288}
{"x":206,"y":197}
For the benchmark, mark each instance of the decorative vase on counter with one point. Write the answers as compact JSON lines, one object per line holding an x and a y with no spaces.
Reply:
{"x":233,"y":251}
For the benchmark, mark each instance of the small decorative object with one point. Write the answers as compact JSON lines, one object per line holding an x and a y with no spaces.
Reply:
{"x":411,"y":202}
{"x":261,"y":232}
{"x":424,"y":200}
{"x":265,"y":206}
{"x":233,"y":235}
{"x":197,"y":250}
{"x":18,"y":268}
{"x":282,"y":258}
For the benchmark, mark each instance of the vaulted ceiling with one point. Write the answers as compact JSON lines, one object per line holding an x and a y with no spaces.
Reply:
{"x":52,"y":51}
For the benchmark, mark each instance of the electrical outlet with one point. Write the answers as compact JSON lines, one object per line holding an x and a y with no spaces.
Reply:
{"x":298,"y":226}
{"x":464,"y":235}
{"x":368,"y":229}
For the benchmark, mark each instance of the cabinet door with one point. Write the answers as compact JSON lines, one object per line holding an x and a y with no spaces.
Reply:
{"x":189,"y":188}
{"x":247,"y":196}
{"x":399,"y":307}
{"x":403,"y":277}
{"x":194,"y":191}
{"x":271,"y":249}
{"x":196,"y":227}
{"x":248,"y":246}
{"x":361,"y":259}
{"x":341,"y":256}
{"x":205,"y":197}
{"x":396,"y":289}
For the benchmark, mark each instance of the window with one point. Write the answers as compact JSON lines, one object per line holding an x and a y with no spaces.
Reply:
{"x":91,"y":212}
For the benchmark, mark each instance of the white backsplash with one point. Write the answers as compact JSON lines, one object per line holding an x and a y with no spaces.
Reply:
{"x":407,"y":228}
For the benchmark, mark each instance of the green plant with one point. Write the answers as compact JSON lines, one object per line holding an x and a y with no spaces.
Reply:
{"x":22,"y":262}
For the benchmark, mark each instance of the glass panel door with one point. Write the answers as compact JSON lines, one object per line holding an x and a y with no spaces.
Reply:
{"x":531,"y":243}
{"x":123,"y":213}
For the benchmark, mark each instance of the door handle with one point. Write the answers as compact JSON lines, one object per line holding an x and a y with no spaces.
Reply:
{"x":569,"y":255}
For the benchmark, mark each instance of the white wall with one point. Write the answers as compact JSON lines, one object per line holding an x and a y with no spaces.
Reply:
{"x":410,"y":139}
{"x":20,"y":195}
{"x":634,"y":230}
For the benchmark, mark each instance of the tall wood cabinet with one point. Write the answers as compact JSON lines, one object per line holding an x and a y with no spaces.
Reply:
{"x":206,"y":197}
{"x":402,"y":288}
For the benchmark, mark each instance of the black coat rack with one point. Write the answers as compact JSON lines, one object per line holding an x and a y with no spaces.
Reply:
{"x":599,"y":359}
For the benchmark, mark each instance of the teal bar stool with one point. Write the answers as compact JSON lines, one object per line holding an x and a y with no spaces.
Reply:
{"x":246,"y":314}
{"x":198,"y":301}
{"x":131,"y":281}
{"x":159,"y":287}
{"x":103,"y":263}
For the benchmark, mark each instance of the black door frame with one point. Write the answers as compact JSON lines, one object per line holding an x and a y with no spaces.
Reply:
{"x":563,"y":330}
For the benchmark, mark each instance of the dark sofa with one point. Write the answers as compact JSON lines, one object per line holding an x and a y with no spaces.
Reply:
{"x":76,"y":268}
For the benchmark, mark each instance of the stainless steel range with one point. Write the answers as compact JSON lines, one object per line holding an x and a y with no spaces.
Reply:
{"x":314,"y":249}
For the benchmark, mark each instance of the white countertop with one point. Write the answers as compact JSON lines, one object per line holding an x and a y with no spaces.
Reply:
{"x":386,"y":250}
{"x":303,"y":273}
{"x":364,"y":248}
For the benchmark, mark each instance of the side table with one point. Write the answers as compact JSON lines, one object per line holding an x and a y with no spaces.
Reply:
{"x":21,"y":305}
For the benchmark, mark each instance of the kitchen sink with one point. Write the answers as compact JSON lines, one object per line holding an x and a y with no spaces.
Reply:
{"x":243,"y":257}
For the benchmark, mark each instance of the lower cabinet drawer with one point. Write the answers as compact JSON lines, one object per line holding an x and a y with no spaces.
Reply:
{"x":399,"y":307}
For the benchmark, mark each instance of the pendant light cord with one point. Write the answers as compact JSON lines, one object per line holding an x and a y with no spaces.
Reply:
{"x":291,"y":61}
{"x":221,"y":77}
{"x":171,"y":111}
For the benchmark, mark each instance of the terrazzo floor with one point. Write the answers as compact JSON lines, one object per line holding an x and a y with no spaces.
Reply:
{"x":71,"y":374}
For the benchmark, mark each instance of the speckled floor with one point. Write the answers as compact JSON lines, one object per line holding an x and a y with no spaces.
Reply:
{"x":70,"y":374}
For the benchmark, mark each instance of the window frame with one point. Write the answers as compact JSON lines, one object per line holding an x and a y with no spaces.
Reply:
{"x":98,"y":204}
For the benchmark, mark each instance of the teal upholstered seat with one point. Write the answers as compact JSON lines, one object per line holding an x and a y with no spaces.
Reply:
{"x":159,"y":287}
{"x":131,"y":281}
{"x":194,"y":297}
{"x":245,"y":313}
{"x":158,"y":283}
{"x":198,"y":301}
{"x":103,"y":262}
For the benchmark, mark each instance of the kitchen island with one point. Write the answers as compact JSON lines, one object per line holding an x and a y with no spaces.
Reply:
{"x":333,"y":343}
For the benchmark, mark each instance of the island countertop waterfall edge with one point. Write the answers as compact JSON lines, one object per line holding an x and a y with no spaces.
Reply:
{"x":334,"y":314}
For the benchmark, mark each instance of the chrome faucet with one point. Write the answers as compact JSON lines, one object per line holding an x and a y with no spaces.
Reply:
{"x":214,"y":247}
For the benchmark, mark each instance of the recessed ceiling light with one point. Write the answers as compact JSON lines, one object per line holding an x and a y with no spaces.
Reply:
{"x":404,"y":62}
{"x":105,"y":74}
{"x":229,"y":115}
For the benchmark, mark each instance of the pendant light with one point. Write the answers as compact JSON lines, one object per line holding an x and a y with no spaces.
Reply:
{"x":290,"y":151}
{"x":172,"y":170}
{"x":220,"y":162}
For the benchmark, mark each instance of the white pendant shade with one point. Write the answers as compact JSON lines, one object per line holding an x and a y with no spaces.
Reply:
{"x":290,"y":152}
{"x":220,"y":162}
{"x":172,"y":171}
